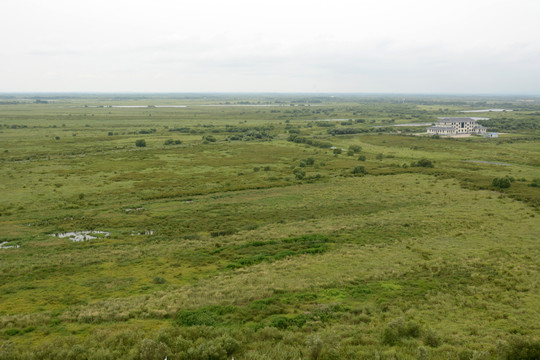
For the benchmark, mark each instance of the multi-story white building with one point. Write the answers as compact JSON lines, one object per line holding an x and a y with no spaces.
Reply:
{"x":456,"y":126}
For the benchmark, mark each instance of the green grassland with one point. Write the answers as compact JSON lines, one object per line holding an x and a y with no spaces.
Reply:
{"x":267,"y":227}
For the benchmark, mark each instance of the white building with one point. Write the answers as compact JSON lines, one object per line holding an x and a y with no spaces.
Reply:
{"x":456,"y":126}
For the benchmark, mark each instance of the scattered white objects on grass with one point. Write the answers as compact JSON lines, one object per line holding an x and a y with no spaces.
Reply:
{"x":135,"y":209}
{"x":146,"y":232}
{"x":4,"y":246}
{"x":81,"y":235}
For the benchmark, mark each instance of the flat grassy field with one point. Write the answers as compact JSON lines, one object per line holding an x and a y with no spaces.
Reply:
{"x":267,"y":227}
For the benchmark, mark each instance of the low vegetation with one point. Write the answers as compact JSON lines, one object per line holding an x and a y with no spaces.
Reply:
{"x":307,"y":228}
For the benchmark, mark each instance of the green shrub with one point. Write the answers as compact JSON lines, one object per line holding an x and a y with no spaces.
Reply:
{"x":359,"y":170}
{"x":422,"y":353}
{"x":209,"y":350}
{"x":501,"y":182}
{"x":229,"y":344}
{"x":535,"y":183}
{"x":299,"y":174}
{"x":158,"y":280}
{"x":431,"y":338}
{"x":399,"y":329}
{"x":423,"y":163}
{"x":140,"y":143}
{"x":12,"y":332}
{"x":282,"y":322}
{"x":196,"y":317}
{"x":355,"y":148}
{"x":362,"y":158}
{"x":172,"y":142}
{"x":520,"y":348}
{"x":106,"y":354}
{"x":315,"y":346}
{"x":153,"y":350}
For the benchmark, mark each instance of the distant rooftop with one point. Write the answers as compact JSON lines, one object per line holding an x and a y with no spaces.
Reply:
{"x":456,"y":119}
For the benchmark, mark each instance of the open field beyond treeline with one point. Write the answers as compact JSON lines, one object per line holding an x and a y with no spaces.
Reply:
{"x":267,"y":227}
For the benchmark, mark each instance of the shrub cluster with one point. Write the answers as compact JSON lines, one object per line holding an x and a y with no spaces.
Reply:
{"x":172,"y":142}
{"x":399,"y":329}
{"x":313,"y":142}
{"x":502,"y":182}
{"x":140,"y":143}
{"x":422,"y":163}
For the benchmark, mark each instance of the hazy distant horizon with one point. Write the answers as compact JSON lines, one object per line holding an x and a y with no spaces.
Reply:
{"x":239,"y":46}
{"x":276,"y":93}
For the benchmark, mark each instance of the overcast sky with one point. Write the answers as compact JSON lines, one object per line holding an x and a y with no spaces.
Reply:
{"x":389,"y":46}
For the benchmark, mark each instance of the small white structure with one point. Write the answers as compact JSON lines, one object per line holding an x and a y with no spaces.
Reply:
{"x":456,"y":126}
{"x":491,"y":135}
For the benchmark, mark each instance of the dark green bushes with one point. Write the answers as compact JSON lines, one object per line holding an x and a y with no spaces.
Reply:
{"x":283,"y":322}
{"x":398,"y":329}
{"x":140,"y":143}
{"x":422,"y":163}
{"x":535,"y":183}
{"x":209,"y":139}
{"x":197,"y":317}
{"x":299,"y":173}
{"x":502,"y":182}
{"x":359,"y":170}
{"x":147,"y":131}
{"x":313,"y":142}
{"x":172,"y":142}
{"x":520,"y":348}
